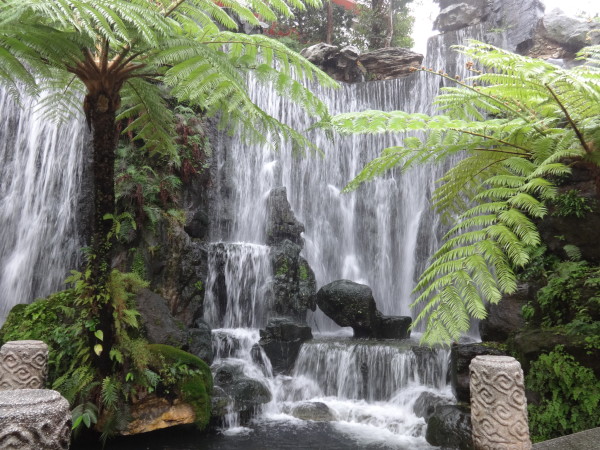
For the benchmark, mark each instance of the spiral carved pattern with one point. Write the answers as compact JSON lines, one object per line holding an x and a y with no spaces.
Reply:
{"x":498,"y":404}
{"x":23,"y":365}
{"x":34,"y":419}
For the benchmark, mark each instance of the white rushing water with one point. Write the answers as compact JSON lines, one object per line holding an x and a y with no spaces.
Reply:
{"x":40,"y":177}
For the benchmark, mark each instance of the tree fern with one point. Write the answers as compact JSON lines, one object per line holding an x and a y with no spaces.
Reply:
{"x":517,"y":125}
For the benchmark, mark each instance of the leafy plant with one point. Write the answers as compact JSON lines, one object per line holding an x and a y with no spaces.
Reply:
{"x":517,"y":125}
{"x":571,"y":203}
{"x":570,"y":396}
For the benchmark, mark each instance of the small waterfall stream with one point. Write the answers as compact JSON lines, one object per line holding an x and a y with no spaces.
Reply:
{"x":40,"y":178}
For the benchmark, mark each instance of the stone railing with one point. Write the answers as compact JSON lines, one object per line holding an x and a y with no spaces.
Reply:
{"x":31,"y":417}
{"x":498,"y":404}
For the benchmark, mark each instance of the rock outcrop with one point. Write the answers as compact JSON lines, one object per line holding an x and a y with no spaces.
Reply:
{"x":450,"y":427}
{"x":455,"y":15}
{"x":199,"y":341}
{"x":505,"y":318}
{"x":281,"y":340}
{"x":570,"y":32}
{"x":159,"y":325}
{"x":316,"y":411}
{"x":347,"y":65}
{"x":154,"y":413}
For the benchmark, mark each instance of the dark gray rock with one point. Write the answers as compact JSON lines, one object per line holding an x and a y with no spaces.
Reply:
{"x":389,"y":63}
{"x":393,"y":327}
{"x":198,"y":226}
{"x":200,"y":341}
{"x":226,"y":374}
{"x":281,"y":222}
{"x":317,"y":411}
{"x":568,"y":31}
{"x":350,"y":304}
{"x":512,"y":24}
{"x":505,"y":318}
{"x":246,"y":394}
{"x":450,"y":427}
{"x":281,"y":340}
{"x":457,"y":15}
{"x":426,"y":403}
{"x":460,"y":358}
{"x":339,"y":63}
{"x":294,"y":286}
{"x":219,"y":402}
{"x":159,"y":325}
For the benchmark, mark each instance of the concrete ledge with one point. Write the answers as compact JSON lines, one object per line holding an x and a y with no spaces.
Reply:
{"x":587,"y":439}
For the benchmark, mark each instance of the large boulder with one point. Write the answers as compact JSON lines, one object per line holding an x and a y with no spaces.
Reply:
{"x":570,"y":32}
{"x":457,"y":15}
{"x":281,"y":340}
{"x":426,"y":404}
{"x":450,"y":427}
{"x":200,"y":341}
{"x":460,"y":358}
{"x":316,"y":411}
{"x":154,"y":413}
{"x":389,"y":63}
{"x":350,"y":304}
{"x":339,"y":63}
{"x":159,"y":325}
{"x":505,"y":318}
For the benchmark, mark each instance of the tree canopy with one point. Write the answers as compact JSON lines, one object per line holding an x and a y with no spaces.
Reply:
{"x":517,"y":125}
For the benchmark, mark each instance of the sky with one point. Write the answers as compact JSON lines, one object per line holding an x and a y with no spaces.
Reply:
{"x":426,"y":11}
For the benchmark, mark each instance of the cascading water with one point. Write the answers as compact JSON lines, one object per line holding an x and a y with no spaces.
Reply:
{"x":380,"y":235}
{"x":40,"y":177}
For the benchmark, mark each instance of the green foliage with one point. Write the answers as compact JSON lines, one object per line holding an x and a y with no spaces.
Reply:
{"x":515,"y":125}
{"x":570,"y":396}
{"x":303,"y":272}
{"x":571,"y":203}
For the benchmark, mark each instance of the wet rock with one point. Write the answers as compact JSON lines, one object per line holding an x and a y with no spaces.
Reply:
{"x":154,"y":413}
{"x":219,"y":402}
{"x":200,"y":341}
{"x":159,"y":325}
{"x":450,"y":427}
{"x":456,"y":15}
{"x":460,"y":358}
{"x":281,"y":222}
{"x":393,"y":327}
{"x":505,"y":318}
{"x":226,"y":374}
{"x":247,"y":394}
{"x":570,"y":32}
{"x":426,"y":403}
{"x":389,"y":63}
{"x":281,"y":340}
{"x":198,"y":226}
{"x":316,"y":411}
{"x":350,"y":304}
{"x":339,"y":63}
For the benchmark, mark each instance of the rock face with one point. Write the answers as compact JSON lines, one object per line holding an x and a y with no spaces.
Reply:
{"x":160,"y":326}
{"x":450,"y":427}
{"x":460,"y":358}
{"x":281,"y":340}
{"x":317,"y":411}
{"x":393,"y":327}
{"x":498,"y":403}
{"x":294,"y":285}
{"x":570,"y":32}
{"x":154,"y":413}
{"x":505,"y":318}
{"x":200,"y":341}
{"x":339,"y":63}
{"x":389,"y":63}
{"x":457,"y":15}
{"x":34,"y":419}
{"x":345,"y":64}
{"x":350,"y":304}
{"x":23,"y":365}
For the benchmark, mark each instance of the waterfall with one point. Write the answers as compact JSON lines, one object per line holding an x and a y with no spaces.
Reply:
{"x":40,"y":176}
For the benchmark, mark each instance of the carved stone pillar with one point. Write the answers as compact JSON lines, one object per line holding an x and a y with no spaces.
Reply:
{"x":498,"y":404}
{"x":23,"y":365}
{"x":34,"y":419}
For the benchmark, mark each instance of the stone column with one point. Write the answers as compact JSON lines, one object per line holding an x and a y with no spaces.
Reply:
{"x":23,"y":365}
{"x":34,"y":419}
{"x":498,"y":404}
